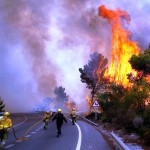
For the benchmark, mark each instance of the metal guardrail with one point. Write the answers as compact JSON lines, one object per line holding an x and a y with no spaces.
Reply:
{"x":118,"y":142}
{"x":88,"y":120}
{"x":119,"y":145}
{"x":96,"y":125}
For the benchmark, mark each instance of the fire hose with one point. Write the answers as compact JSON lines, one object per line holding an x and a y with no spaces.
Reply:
{"x":23,"y":136}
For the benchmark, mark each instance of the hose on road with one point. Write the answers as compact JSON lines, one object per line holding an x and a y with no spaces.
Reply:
{"x":23,"y":136}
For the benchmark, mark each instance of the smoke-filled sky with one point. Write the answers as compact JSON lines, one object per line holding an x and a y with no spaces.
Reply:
{"x":43,"y":43}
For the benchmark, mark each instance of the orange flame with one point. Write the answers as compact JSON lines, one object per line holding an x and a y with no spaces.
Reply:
{"x":148,"y":78}
{"x":87,"y":98}
{"x":122,"y":48}
{"x":70,"y":104}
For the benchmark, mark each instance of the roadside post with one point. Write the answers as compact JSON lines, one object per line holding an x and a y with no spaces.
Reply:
{"x":95,"y":108}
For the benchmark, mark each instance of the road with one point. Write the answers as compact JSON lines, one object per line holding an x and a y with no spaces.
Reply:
{"x":81,"y":136}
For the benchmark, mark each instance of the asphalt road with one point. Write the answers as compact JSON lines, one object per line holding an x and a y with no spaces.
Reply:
{"x":81,"y":136}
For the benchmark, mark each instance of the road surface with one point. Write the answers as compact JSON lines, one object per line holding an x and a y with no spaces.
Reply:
{"x":81,"y":136}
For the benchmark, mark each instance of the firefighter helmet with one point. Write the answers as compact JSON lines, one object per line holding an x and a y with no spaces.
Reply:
{"x":6,"y":113}
{"x":59,"y":110}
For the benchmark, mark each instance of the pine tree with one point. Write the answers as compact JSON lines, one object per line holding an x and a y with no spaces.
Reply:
{"x":93,"y":72}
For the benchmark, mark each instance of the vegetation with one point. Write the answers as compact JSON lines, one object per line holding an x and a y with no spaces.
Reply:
{"x":60,"y":94}
{"x":141,"y":62}
{"x":61,"y":98}
{"x":89,"y":74}
{"x":128,"y":107}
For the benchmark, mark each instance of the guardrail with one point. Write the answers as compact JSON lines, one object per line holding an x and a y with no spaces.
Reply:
{"x":119,"y":145}
{"x":96,"y":125}
{"x":88,"y":120}
{"x":118,"y":142}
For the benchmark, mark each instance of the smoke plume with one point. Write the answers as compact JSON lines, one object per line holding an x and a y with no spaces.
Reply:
{"x":43,"y":43}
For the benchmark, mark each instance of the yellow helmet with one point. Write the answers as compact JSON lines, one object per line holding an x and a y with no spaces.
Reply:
{"x":59,"y":110}
{"x":6,"y":113}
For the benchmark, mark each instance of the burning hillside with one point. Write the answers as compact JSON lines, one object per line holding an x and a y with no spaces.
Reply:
{"x":121,"y":47}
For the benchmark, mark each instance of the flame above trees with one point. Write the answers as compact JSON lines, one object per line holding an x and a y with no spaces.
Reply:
{"x":122,"y":48}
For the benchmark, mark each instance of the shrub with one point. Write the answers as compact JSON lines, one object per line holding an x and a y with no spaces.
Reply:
{"x":137,"y":122}
{"x":146,"y":116}
{"x":145,"y":135}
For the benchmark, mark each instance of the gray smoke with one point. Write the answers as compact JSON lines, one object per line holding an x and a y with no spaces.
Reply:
{"x":44,"y":42}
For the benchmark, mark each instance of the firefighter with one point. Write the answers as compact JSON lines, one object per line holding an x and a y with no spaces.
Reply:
{"x":59,"y":117}
{"x":5,"y":125}
{"x":46,"y":119}
{"x":73,"y":116}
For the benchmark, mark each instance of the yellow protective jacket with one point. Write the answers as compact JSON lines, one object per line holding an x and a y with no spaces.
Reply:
{"x":73,"y":113}
{"x":47,"y":117}
{"x":5,"y":123}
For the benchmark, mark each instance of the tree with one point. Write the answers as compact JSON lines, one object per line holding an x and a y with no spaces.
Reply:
{"x":2,"y":106}
{"x":60,"y":94}
{"x":61,"y":97}
{"x":93,"y":71}
{"x":141,"y":62}
{"x":111,"y":102}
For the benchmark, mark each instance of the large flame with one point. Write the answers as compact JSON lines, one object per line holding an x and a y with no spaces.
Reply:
{"x":122,"y":48}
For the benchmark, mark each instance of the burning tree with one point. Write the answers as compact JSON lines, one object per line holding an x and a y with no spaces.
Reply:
{"x":92,"y":71}
{"x":124,"y":105}
{"x":122,"y":48}
{"x":121,"y":103}
{"x":141,"y":63}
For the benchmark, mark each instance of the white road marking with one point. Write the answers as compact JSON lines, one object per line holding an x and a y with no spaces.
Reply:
{"x":79,"y":138}
{"x":21,"y":122}
{"x":8,"y":146}
{"x":40,"y":127}
{"x":18,"y":141}
{"x":33,"y":132}
{"x":78,"y":147}
{"x":27,"y":136}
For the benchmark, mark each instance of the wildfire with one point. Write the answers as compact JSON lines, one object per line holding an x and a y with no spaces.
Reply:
{"x":70,"y":104}
{"x":122,"y":48}
{"x":87,"y":98}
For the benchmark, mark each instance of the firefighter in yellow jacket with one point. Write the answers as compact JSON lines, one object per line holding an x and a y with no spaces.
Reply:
{"x":73,"y":116}
{"x":5,"y":125}
{"x":46,"y":119}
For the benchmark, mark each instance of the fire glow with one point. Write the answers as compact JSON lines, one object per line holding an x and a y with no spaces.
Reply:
{"x":89,"y":101}
{"x":121,"y":47}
